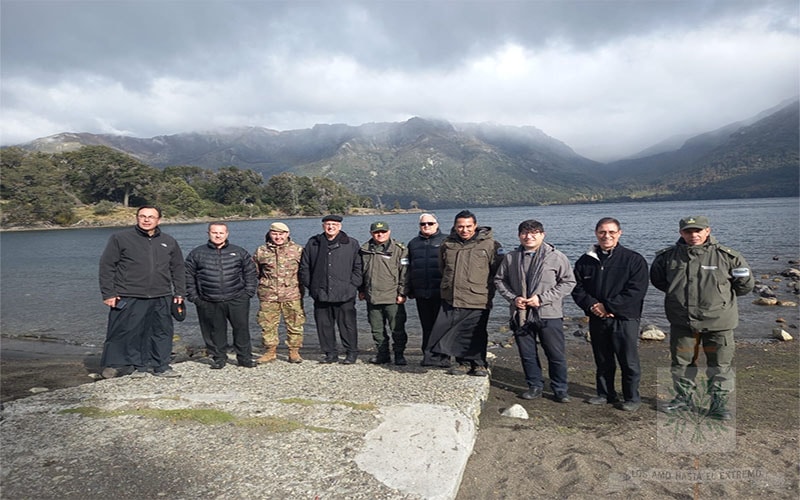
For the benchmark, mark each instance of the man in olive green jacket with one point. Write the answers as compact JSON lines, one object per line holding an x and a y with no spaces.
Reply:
{"x":469,"y":258}
{"x":701,"y":279}
{"x":384,"y":263}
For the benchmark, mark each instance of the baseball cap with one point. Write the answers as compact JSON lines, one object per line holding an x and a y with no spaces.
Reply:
{"x":694,"y":222}
{"x":378,"y":226}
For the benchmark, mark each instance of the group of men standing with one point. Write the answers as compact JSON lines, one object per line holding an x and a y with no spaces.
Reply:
{"x":453,"y":279}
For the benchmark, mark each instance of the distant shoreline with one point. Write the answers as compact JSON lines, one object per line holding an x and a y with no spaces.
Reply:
{"x":166,"y":221}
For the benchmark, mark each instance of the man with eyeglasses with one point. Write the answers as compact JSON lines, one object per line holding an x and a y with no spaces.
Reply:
{"x":535,"y":278}
{"x":385,"y":287}
{"x":611,"y":285}
{"x":330,"y":269}
{"x":468,"y":258}
{"x":701,"y":280}
{"x":141,"y":277}
{"x":425,"y":279}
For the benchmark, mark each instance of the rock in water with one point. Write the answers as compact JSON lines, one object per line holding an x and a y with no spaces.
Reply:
{"x":781,"y":334}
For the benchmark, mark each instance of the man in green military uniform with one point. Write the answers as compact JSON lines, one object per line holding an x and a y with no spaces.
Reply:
{"x":384,"y":263}
{"x":701,"y":280}
{"x":280,"y":292}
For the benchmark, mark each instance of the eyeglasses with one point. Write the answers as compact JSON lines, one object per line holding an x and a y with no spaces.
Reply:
{"x":531,"y":234}
{"x":428,"y":223}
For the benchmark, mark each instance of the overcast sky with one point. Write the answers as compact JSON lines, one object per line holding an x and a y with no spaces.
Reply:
{"x":608,"y":78}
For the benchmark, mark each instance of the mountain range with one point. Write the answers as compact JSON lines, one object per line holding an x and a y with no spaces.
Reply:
{"x":440,"y":164}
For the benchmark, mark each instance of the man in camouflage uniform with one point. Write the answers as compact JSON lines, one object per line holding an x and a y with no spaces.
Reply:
{"x":280,"y":292}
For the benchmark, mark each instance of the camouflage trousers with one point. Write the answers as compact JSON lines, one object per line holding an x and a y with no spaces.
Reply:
{"x":269,"y":316}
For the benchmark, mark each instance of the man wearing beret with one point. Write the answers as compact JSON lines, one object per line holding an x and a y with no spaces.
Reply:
{"x":385,"y":287}
{"x":330,"y":269}
{"x":280,"y":292}
{"x":701,"y":280}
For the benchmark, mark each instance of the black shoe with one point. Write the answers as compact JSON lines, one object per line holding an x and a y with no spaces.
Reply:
{"x":630,"y":406}
{"x":330,"y":358}
{"x":218,"y":364}
{"x":532,"y":393}
{"x":458,"y":370}
{"x":479,"y":371}
{"x":248,"y":363}
{"x":380,"y":359}
{"x":399,"y":359}
{"x":350,"y":359}
{"x":601,"y":400}
{"x":562,"y":398}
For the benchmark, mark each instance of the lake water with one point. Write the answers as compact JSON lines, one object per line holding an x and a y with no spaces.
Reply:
{"x":49,"y":287}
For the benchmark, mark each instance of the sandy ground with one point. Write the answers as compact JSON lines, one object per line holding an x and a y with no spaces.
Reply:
{"x":576,"y":450}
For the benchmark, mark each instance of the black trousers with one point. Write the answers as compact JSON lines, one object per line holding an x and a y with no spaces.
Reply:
{"x":427,"y":310}
{"x":140,"y":335}
{"x":616,"y":338}
{"x":214,"y":317}
{"x":332,"y":315}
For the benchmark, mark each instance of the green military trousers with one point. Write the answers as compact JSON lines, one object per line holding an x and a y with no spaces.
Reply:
{"x":685,"y":345}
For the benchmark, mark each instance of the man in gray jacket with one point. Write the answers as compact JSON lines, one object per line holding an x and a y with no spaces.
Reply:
{"x":385,"y":288}
{"x":535,"y":278}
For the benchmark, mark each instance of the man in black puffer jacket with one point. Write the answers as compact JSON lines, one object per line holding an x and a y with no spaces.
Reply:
{"x":220,"y":280}
{"x":425,"y":277}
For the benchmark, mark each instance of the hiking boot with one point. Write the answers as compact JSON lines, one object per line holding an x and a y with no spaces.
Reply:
{"x":109,"y":372}
{"x":270,"y":355}
{"x":400,"y":359}
{"x":294,"y":355}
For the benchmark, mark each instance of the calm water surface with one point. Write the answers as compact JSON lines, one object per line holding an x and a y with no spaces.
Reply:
{"x":49,"y":287}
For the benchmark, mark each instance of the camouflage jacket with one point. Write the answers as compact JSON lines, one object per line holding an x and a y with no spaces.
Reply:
{"x":277,"y":272}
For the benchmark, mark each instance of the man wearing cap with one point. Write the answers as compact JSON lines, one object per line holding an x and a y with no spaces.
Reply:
{"x":385,"y":287}
{"x":701,"y":280}
{"x":279,"y":292}
{"x":330,"y":269}
{"x":141,"y":276}
{"x":425,"y":278}
{"x":220,"y":280}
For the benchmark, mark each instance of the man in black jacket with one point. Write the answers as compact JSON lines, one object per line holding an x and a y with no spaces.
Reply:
{"x":425,"y":278}
{"x":141,"y":276}
{"x":220,"y":280}
{"x":330,"y":269}
{"x":611,"y":284}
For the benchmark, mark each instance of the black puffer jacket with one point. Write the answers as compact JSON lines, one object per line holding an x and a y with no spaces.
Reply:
{"x":219,"y":274}
{"x":424,"y":274}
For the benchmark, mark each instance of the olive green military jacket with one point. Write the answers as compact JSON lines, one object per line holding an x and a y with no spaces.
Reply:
{"x":385,"y":271}
{"x":701,"y":284}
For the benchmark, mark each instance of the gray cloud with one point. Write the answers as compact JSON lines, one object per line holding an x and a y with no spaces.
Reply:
{"x":606,"y":77}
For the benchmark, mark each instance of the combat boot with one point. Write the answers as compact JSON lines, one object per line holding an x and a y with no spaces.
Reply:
{"x":270,"y":355}
{"x":399,"y":358}
{"x":294,"y":355}
{"x":718,"y":409}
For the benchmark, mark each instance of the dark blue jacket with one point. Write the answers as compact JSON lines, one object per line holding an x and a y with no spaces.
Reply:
{"x":219,"y":274}
{"x":425,"y":277}
{"x":331,"y":271}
